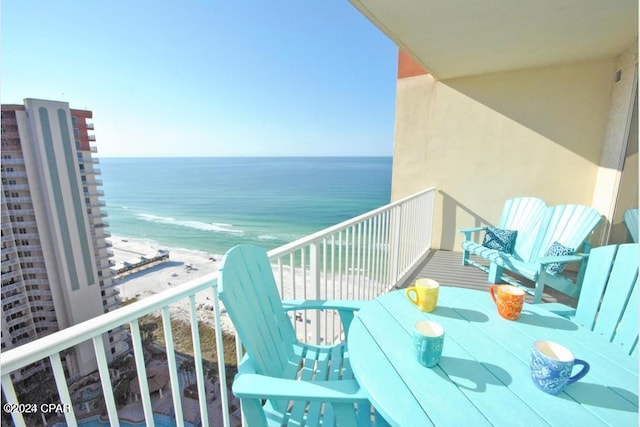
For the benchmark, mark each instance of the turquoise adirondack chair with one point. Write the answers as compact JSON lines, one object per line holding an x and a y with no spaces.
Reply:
{"x":631,"y":221}
{"x":539,"y":227}
{"x":280,"y":380}
{"x":569,"y":225}
{"x":608,"y":303}
{"x":523,"y":214}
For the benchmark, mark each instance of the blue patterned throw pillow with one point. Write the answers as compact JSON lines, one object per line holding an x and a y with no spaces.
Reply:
{"x":557,"y":249}
{"x":500,"y":239}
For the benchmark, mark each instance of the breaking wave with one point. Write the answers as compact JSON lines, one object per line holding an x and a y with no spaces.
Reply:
{"x":196,"y":225}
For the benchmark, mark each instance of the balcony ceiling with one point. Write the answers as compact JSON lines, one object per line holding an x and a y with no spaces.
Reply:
{"x":456,"y":38}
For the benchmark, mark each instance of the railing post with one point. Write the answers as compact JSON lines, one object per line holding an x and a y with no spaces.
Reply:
{"x":222,"y":368}
{"x":395,"y":255}
{"x":314,"y":261}
{"x":10,"y":397}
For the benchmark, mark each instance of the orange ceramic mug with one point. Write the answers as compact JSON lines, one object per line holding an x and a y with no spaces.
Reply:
{"x":509,"y":300}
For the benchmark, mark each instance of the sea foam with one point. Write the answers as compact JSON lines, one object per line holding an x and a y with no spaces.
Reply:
{"x":197,"y":225}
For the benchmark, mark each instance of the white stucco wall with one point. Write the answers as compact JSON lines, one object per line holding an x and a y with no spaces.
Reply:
{"x":481,"y":140}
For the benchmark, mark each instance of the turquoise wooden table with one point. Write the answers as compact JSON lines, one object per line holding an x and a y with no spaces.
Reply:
{"x":483,"y":377}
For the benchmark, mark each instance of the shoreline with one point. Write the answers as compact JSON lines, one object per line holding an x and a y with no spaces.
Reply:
{"x":184,"y":265}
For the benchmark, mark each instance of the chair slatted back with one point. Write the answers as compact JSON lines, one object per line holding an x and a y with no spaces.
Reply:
{"x":249,"y":293}
{"x":570,"y":225}
{"x":631,"y":221}
{"x":608,"y":302}
{"x":525,"y":215}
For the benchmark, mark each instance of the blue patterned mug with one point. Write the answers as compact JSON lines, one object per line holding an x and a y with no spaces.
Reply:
{"x":428,"y":338}
{"x":551,"y":366}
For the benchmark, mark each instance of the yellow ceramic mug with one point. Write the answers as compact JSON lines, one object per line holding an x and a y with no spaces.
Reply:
{"x":424,"y":294}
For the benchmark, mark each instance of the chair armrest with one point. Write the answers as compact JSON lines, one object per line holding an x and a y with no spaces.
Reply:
{"x":255,"y":386}
{"x":471,"y":229}
{"x":467,"y":231}
{"x":562,"y":258}
{"x":313,"y":304}
{"x":345,"y":308}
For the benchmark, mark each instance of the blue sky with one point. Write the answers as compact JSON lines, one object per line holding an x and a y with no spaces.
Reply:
{"x":208,"y":78}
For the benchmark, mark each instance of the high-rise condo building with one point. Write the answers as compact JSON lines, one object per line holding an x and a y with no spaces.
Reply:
{"x":55,"y":256}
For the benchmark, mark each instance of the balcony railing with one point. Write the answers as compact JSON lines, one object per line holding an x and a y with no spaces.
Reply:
{"x":358,"y":259}
{"x":12,"y":161}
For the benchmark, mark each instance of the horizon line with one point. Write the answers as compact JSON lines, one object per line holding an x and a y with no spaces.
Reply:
{"x":243,"y":156}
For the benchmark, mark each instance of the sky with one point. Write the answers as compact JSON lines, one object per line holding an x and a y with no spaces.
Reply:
{"x":207,"y":77}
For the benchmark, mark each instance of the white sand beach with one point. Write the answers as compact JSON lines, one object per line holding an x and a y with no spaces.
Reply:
{"x":186,"y":265}
{"x":183,"y":266}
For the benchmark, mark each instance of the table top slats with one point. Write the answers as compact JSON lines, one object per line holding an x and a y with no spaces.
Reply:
{"x":610,"y":394}
{"x":408,"y":411}
{"x":499,"y":354}
{"x":484,"y":374}
{"x":428,"y":386}
{"x":537,"y":323}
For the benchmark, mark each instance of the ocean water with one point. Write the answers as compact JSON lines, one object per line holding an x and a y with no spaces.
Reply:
{"x":213,"y":204}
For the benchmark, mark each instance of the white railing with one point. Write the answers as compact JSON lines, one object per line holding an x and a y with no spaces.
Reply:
{"x":358,"y":259}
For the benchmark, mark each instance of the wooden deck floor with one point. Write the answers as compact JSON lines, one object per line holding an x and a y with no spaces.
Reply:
{"x":446,"y":267}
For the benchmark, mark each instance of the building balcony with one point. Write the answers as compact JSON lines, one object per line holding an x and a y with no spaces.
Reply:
{"x":110,"y":292}
{"x":9,"y":274}
{"x":92,"y":171}
{"x":13,"y":298}
{"x":7,"y":238}
{"x":37,"y":282}
{"x":25,"y":236}
{"x":11,"y":199}
{"x":106,"y":254}
{"x":11,"y":134}
{"x":109,"y":303}
{"x":36,"y":249}
{"x":99,"y":233}
{"x":42,"y":293}
{"x":21,"y":211}
{"x":14,"y":310}
{"x":372,"y":253}
{"x":19,"y":187}
{"x":94,"y":193}
{"x":12,"y":161}
{"x":49,"y":324}
{"x":85,"y":159}
{"x":34,"y":270}
{"x":11,"y":262}
{"x":91,"y":180}
{"x":15,"y":174}
{"x":17,"y":321}
{"x":359,"y":259}
{"x":9,"y":120}
{"x":30,"y":223}
{"x":97,"y":214}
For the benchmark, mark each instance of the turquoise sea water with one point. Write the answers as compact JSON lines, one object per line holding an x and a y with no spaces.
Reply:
{"x":212,"y":204}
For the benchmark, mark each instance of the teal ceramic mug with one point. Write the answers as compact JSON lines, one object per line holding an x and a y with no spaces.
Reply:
{"x":551,"y":366}
{"x":428,"y":338}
